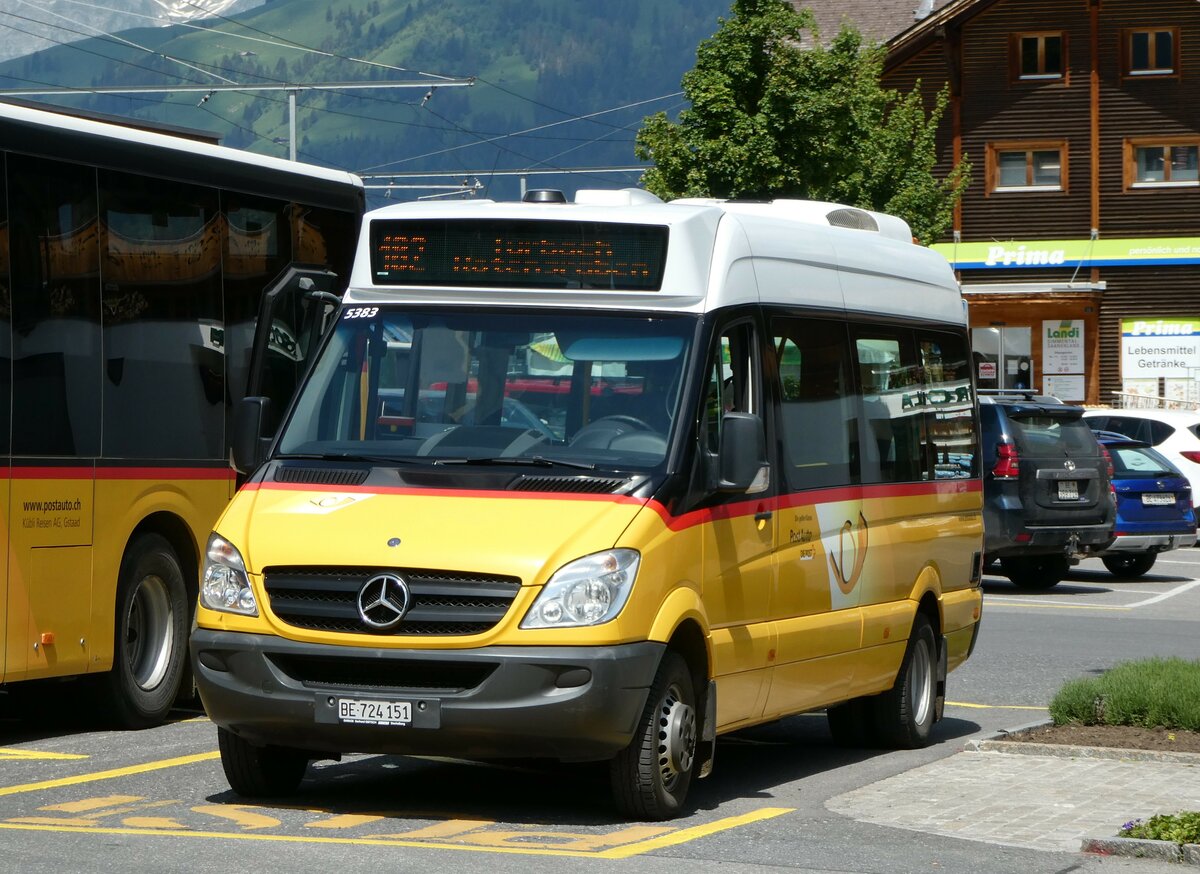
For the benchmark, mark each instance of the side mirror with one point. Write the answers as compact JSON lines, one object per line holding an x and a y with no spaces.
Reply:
{"x":743,"y":456}
{"x":251,"y":436}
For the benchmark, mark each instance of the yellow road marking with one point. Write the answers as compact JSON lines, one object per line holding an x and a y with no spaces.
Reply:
{"x":1013,"y":602}
{"x":994,"y":706}
{"x":242,"y":815}
{"x":344,"y":820}
{"x":448,"y":829}
{"x":7,"y":753}
{"x":93,"y":803}
{"x":154,"y":822}
{"x":109,"y":775}
{"x":668,"y":840}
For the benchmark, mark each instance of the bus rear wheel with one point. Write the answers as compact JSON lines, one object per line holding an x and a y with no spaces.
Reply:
{"x":150,"y":643}
{"x":904,"y":715}
{"x":650,"y":777}
{"x":260,"y":772}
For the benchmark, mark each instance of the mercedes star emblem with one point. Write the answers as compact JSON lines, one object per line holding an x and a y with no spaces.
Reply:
{"x":383,"y":601}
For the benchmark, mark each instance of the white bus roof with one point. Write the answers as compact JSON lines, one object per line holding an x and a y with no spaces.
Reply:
{"x":719,"y":253}
{"x":26,"y":130}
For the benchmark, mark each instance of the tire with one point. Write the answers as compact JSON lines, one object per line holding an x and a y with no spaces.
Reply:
{"x":1035,"y":571}
{"x":650,"y":778}
{"x":851,"y":723}
{"x":904,"y":715}
{"x":150,"y":636}
{"x":260,"y":772}
{"x":1129,"y":567}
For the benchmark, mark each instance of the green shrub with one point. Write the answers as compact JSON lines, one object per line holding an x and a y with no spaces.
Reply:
{"x":1151,"y":693}
{"x":1182,"y":828}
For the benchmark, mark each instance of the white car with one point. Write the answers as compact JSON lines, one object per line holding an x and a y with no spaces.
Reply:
{"x":1174,"y":433}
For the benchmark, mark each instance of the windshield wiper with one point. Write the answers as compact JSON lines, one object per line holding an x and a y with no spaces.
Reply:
{"x":529,"y":460}
{"x":347,"y":456}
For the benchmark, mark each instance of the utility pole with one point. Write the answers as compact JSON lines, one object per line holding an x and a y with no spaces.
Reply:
{"x":208,"y":90}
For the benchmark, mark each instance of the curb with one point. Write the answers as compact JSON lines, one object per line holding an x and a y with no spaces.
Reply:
{"x":998,"y":743}
{"x":1167,"y":851}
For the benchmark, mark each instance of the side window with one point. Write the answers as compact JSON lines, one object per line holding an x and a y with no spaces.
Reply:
{"x":952,"y":448}
{"x":55,"y":308}
{"x":160,"y":245}
{"x":1159,"y":431}
{"x":818,"y":414}
{"x":890,"y":386}
{"x":732,"y":381}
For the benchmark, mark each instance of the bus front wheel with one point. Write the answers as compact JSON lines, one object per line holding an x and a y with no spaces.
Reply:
{"x":650,"y":777}
{"x":260,"y":772}
{"x":150,"y":642}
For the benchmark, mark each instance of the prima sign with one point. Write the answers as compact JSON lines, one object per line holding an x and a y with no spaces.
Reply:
{"x":1022,"y":256}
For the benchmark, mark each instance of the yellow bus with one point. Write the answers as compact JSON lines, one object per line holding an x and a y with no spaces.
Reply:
{"x":135,"y":267}
{"x":603,"y":480}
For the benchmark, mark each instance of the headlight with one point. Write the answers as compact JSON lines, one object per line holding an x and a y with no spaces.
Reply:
{"x":587,"y":591}
{"x":225,"y":586}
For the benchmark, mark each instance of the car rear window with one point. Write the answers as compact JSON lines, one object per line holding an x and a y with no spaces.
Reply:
{"x":1039,"y":435}
{"x":1131,"y":462}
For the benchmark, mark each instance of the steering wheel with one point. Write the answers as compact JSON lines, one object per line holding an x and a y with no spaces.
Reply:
{"x":599,"y":433}
{"x":622,"y":418}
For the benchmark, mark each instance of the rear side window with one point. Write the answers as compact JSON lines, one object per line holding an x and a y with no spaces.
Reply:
{"x":1130,"y":462}
{"x":1160,"y":431}
{"x":1043,"y":434}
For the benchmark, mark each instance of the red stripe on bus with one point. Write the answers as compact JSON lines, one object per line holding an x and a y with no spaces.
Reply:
{"x":427,"y":491}
{"x":816,"y":496}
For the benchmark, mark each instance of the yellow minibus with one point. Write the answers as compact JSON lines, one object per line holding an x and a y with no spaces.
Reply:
{"x":601,"y":481}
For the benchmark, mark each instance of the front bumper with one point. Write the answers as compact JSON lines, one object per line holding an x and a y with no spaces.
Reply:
{"x":569,"y":703}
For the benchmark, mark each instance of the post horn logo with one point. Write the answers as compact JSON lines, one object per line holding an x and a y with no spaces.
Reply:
{"x":847,"y":582}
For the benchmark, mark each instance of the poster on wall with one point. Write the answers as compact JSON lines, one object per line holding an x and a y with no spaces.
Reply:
{"x":1064,"y":387}
{"x":1062,"y":346}
{"x":1154,"y":348}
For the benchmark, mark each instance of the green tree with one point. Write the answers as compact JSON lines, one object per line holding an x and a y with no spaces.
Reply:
{"x":776,"y":113}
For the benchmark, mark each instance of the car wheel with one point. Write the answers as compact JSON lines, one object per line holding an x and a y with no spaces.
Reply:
{"x":904,"y":715}
{"x":650,"y":777}
{"x":1035,"y":571}
{"x":260,"y":772}
{"x":1129,"y":567}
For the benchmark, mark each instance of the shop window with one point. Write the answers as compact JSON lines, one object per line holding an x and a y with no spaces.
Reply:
{"x":1150,"y":51}
{"x":1038,"y":56}
{"x":1033,"y":166}
{"x":1164,"y":161}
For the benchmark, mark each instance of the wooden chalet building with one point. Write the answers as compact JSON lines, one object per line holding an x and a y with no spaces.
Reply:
{"x":1078,"y":240}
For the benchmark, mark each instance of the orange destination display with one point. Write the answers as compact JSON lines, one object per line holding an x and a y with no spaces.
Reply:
{"x":494,"y":253}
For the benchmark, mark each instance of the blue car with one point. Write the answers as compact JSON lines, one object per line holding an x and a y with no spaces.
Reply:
{"x":1154,"y":506}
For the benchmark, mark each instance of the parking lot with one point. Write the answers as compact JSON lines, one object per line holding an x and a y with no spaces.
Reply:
{"x":158,"y":800}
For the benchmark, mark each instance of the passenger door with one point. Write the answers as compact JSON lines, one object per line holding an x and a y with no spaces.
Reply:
{"x":737,"y":537}
{"x":821,"y":540}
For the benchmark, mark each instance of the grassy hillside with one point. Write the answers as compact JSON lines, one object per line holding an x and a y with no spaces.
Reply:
{"x":536,"y":62}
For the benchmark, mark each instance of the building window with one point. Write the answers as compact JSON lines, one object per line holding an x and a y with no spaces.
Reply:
{"x":1150,"y":51}
{"x":1038,"y":166}
{"x":1038,"y":56}
{"x":1162,"y":162}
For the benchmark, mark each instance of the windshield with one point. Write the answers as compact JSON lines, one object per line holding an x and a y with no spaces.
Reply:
{"x":494,"y":386}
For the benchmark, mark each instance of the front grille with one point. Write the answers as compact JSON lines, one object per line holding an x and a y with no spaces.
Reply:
{"x":440,"y":602}
{"x":378,"y":675}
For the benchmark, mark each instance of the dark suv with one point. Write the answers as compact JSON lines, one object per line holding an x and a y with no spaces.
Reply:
{"x":1046,"y":495}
